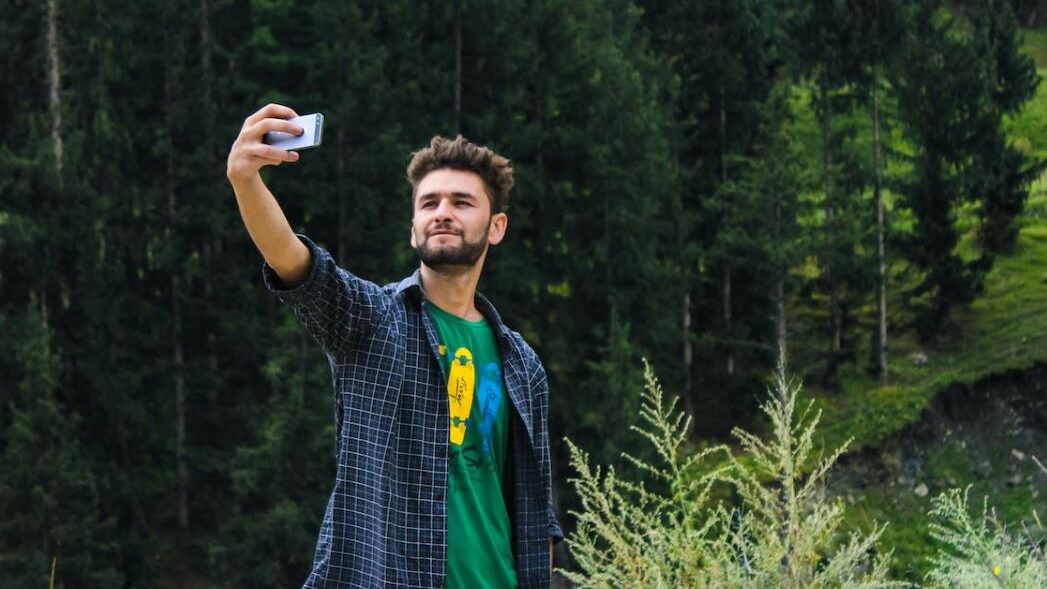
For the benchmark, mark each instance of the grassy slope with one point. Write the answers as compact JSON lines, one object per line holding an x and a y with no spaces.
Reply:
{"x":1005,"y":329}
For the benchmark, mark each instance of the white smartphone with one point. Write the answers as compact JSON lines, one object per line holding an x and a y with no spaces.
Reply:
{"x":312,"y":136}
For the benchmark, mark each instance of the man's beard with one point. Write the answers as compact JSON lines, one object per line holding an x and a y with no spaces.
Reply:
{"x":464,"y":255}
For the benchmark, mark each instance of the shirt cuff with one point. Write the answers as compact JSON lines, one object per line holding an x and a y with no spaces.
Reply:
{"x":555,"y":532}
{"x":296,"y":294}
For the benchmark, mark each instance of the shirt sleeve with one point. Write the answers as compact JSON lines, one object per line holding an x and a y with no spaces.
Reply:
{"x":333,"y":305}
{"x":555,"y":532}
{"x":542,"y":382}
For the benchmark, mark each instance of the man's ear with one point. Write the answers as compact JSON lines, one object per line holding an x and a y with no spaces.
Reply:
{"x":414,"y":244}
{"x":496,"y":232}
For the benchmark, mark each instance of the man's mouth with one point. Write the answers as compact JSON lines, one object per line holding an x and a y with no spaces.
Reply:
{"x":443,"y":232}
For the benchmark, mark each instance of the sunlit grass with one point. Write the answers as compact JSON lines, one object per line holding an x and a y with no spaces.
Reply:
{"x":1004,"y":329}
{"x":1035,"y":45}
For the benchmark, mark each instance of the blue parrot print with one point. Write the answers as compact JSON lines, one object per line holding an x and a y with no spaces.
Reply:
{"x":490,"y":399}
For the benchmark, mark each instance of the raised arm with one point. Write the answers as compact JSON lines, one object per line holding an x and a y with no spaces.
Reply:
{"x":265,"y":220}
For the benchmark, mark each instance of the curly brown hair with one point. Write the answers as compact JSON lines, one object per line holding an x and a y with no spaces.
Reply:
{"x":461,"y":154}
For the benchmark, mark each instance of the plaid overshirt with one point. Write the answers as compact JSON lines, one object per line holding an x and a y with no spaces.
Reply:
{"x":386,"y":520}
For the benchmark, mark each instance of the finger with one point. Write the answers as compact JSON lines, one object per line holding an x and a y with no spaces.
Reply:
{"x":266,"y":125}
{"x":273,"y":153}
{"x":264,"y":161}
{"x":270,"y":110}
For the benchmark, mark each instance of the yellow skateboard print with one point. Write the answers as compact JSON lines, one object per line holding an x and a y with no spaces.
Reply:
{"x":461,"y":384}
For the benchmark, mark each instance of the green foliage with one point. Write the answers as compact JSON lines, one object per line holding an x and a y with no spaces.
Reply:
{"x":651,"y":141}
{"x":783,"y":533}
{"x":724,"y":57}
{"x":788,"y":530}
{"x":962,"y":156}
{"x":630,"y":536}
{"x":1034,"y":44}
{"x":62,"y":513}
{"x":979,"y":551}
{"x":1004,"y":330}
{"x":1001,"y":173}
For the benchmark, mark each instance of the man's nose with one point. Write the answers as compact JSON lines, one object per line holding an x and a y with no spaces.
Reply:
{"x":443,"y":209}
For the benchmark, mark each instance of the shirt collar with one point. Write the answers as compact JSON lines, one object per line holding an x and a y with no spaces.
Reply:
{"x":413,"y":285}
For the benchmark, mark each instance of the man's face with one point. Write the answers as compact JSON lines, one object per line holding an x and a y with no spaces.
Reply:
{"x":453,"y":224}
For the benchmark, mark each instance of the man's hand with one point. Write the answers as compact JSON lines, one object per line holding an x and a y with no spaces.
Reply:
{"x":265,"y":221}
{"x":550,"y":557}
{"x":248,"y":154}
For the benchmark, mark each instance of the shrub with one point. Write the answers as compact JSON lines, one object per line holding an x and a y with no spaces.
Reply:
{"x":981,"y":552}
{"x":783,"y":533}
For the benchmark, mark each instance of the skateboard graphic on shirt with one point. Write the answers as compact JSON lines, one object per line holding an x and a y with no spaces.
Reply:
{"x":461,"y":387}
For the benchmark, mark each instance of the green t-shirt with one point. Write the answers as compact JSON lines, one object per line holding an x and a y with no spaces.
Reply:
{"x":479,"y":554}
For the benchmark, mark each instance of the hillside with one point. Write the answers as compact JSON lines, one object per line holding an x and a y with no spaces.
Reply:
{"x":973,"y":413}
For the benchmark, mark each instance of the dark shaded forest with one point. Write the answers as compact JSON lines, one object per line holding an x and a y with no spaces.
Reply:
{"x":715,"y":185}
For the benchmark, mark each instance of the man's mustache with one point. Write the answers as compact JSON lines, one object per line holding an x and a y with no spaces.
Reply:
{"x":443,"y":229}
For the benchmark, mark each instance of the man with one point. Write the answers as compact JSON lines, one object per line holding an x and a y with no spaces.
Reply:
{"x":443,"y":475}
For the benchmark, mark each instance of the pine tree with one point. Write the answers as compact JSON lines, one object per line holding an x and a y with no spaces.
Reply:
{"x":722,"y":56}
{"x":999,"y":174}
{"x":952,"y":118}
{"x":882,"y":29}
{"x":825,"y":43}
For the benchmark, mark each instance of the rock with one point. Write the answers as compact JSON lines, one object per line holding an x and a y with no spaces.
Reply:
{"x":918,"y":358}
{"x":892,"y":460}
{"x":920,"y":490}
{"x":1018,"y":454}
{"x":984,"y":468}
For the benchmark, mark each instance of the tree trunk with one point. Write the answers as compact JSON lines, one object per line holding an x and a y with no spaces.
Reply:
{"x":608,"y":271}
{"x":727,"y":267}
{"x":55,"y":86}
{"x":880,"y":245}
{"x":211,"y":244}
{"x":830,"y":233}
{"x":178,"y":351}
{"x":727,"y":314}
{"x":55,"y":103}
{"x":881,"y":348}
{"x":458,"y":65}
{"x":180,"y":436}
{"x":179,"y":355}
{"x":179,"y":367}
{"x":780,"y":324}
{"x":779,"y":293}
{"x":688,"y":353}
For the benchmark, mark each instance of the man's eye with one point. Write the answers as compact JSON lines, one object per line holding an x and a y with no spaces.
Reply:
{"x":428,"y":204}
{"x":464,"y":203}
